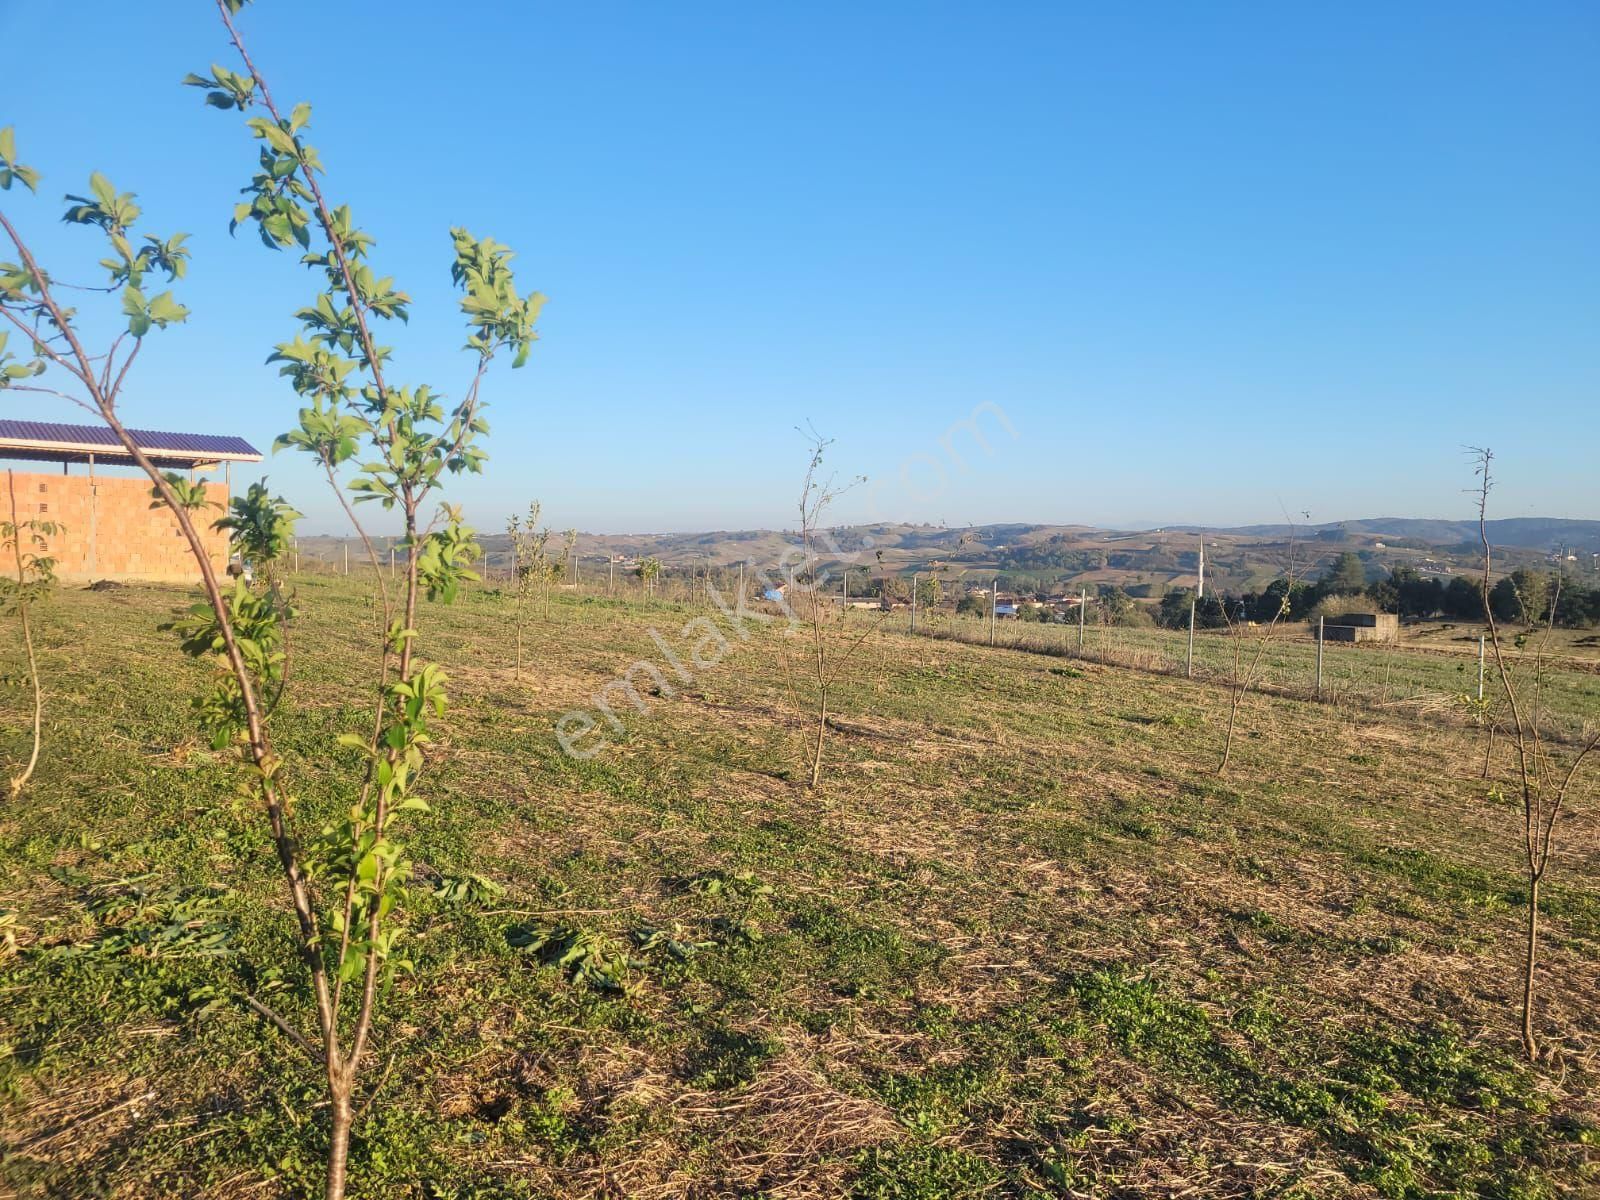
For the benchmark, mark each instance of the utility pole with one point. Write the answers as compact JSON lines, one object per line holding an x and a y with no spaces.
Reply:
{"x":346,"y":546}
{"x":1188,"y":663}
{"x":1200,"y":587}
{"x":913,"y":602}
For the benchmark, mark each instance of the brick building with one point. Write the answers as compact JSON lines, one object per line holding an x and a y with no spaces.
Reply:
{"x":109,"y":529}
{"x":1362,"y":627}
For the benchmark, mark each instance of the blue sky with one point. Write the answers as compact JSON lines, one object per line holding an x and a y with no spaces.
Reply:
{"x":1212,"y":262}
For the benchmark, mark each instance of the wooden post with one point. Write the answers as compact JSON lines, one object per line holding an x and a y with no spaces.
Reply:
{"x":1188,"y":663}
{"x":913,"y":602}
{"x":297,"y":556}
{"x":1320,"y":623}
{"x":346,"y":546}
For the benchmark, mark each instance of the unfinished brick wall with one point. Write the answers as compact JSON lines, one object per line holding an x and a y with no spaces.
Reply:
{"x":109,"y":529}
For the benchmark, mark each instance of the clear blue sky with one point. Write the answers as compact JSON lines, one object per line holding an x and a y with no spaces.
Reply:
{"x":1213,"y":261}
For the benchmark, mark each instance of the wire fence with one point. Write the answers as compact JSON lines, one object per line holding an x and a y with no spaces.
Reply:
{"x":1287,"y":660}
{"x":1432,"y":682}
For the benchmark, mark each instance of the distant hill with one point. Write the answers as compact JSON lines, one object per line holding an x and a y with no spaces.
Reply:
{"x":1146,"y":562}
{"x":1534,"y":533}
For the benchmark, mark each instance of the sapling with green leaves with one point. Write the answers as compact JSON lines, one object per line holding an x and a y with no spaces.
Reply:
{"x":260,"y":529}
{"x":544,"y":569}
{"x":346,"y":883}
{"x":648,"y":571}
{"x":569,"y":557}
{"x":410,"y":441}
{"x":526,"y":553}
{"x":25,"y":547}
{"x":60,"y":362}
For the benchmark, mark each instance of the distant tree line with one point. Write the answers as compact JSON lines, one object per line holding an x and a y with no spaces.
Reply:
{"x":1526,"y":596}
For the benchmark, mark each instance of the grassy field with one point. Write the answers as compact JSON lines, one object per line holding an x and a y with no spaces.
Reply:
{"x":1426,"y":674}
{"x":1022,"y":942}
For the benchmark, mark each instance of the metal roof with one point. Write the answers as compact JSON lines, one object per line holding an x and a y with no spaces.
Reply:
{"x":53,"y":442}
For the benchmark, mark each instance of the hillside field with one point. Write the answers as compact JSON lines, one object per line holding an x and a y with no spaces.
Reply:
{"x":1023,"y":941}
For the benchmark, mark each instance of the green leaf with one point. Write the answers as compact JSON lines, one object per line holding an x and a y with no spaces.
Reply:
{"x":8,"y":143}
{"x":164,"y":310}
{"x":278,"y":139}
{"x":137,"y":310}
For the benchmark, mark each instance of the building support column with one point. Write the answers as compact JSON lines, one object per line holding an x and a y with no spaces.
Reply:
{"x":93,"y":514}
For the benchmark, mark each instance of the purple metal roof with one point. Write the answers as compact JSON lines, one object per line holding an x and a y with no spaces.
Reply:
{"x":43,"y":435}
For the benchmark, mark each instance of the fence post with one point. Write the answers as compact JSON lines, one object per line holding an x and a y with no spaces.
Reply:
{"x":1481,"y":639}
{"x":346,"y":557}
{"x":1320,"y":622}
{"x":994,"y":603}
{"x":1188,"y":662}
{"x":1083,"y":604}
{"x":913,"y":602}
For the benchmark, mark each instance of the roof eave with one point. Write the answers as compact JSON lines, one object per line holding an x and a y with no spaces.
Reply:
{"x":116,"y":455}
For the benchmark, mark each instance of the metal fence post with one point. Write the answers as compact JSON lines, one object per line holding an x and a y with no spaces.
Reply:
{"x":1188,"y":662}
{"x":1320,"y":623}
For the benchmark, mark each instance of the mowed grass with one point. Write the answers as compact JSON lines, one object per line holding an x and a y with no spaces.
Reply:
{"x":1022,"y":942}
{"x":1430,"y":672}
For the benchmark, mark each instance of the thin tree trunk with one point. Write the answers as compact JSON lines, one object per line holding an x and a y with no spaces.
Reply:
{"x":1227,"y":744}
{"x":21,"y":781}
{"x":1530,"y":1043}
{"x":339,"y":1149}
{"x":822,"y":729}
